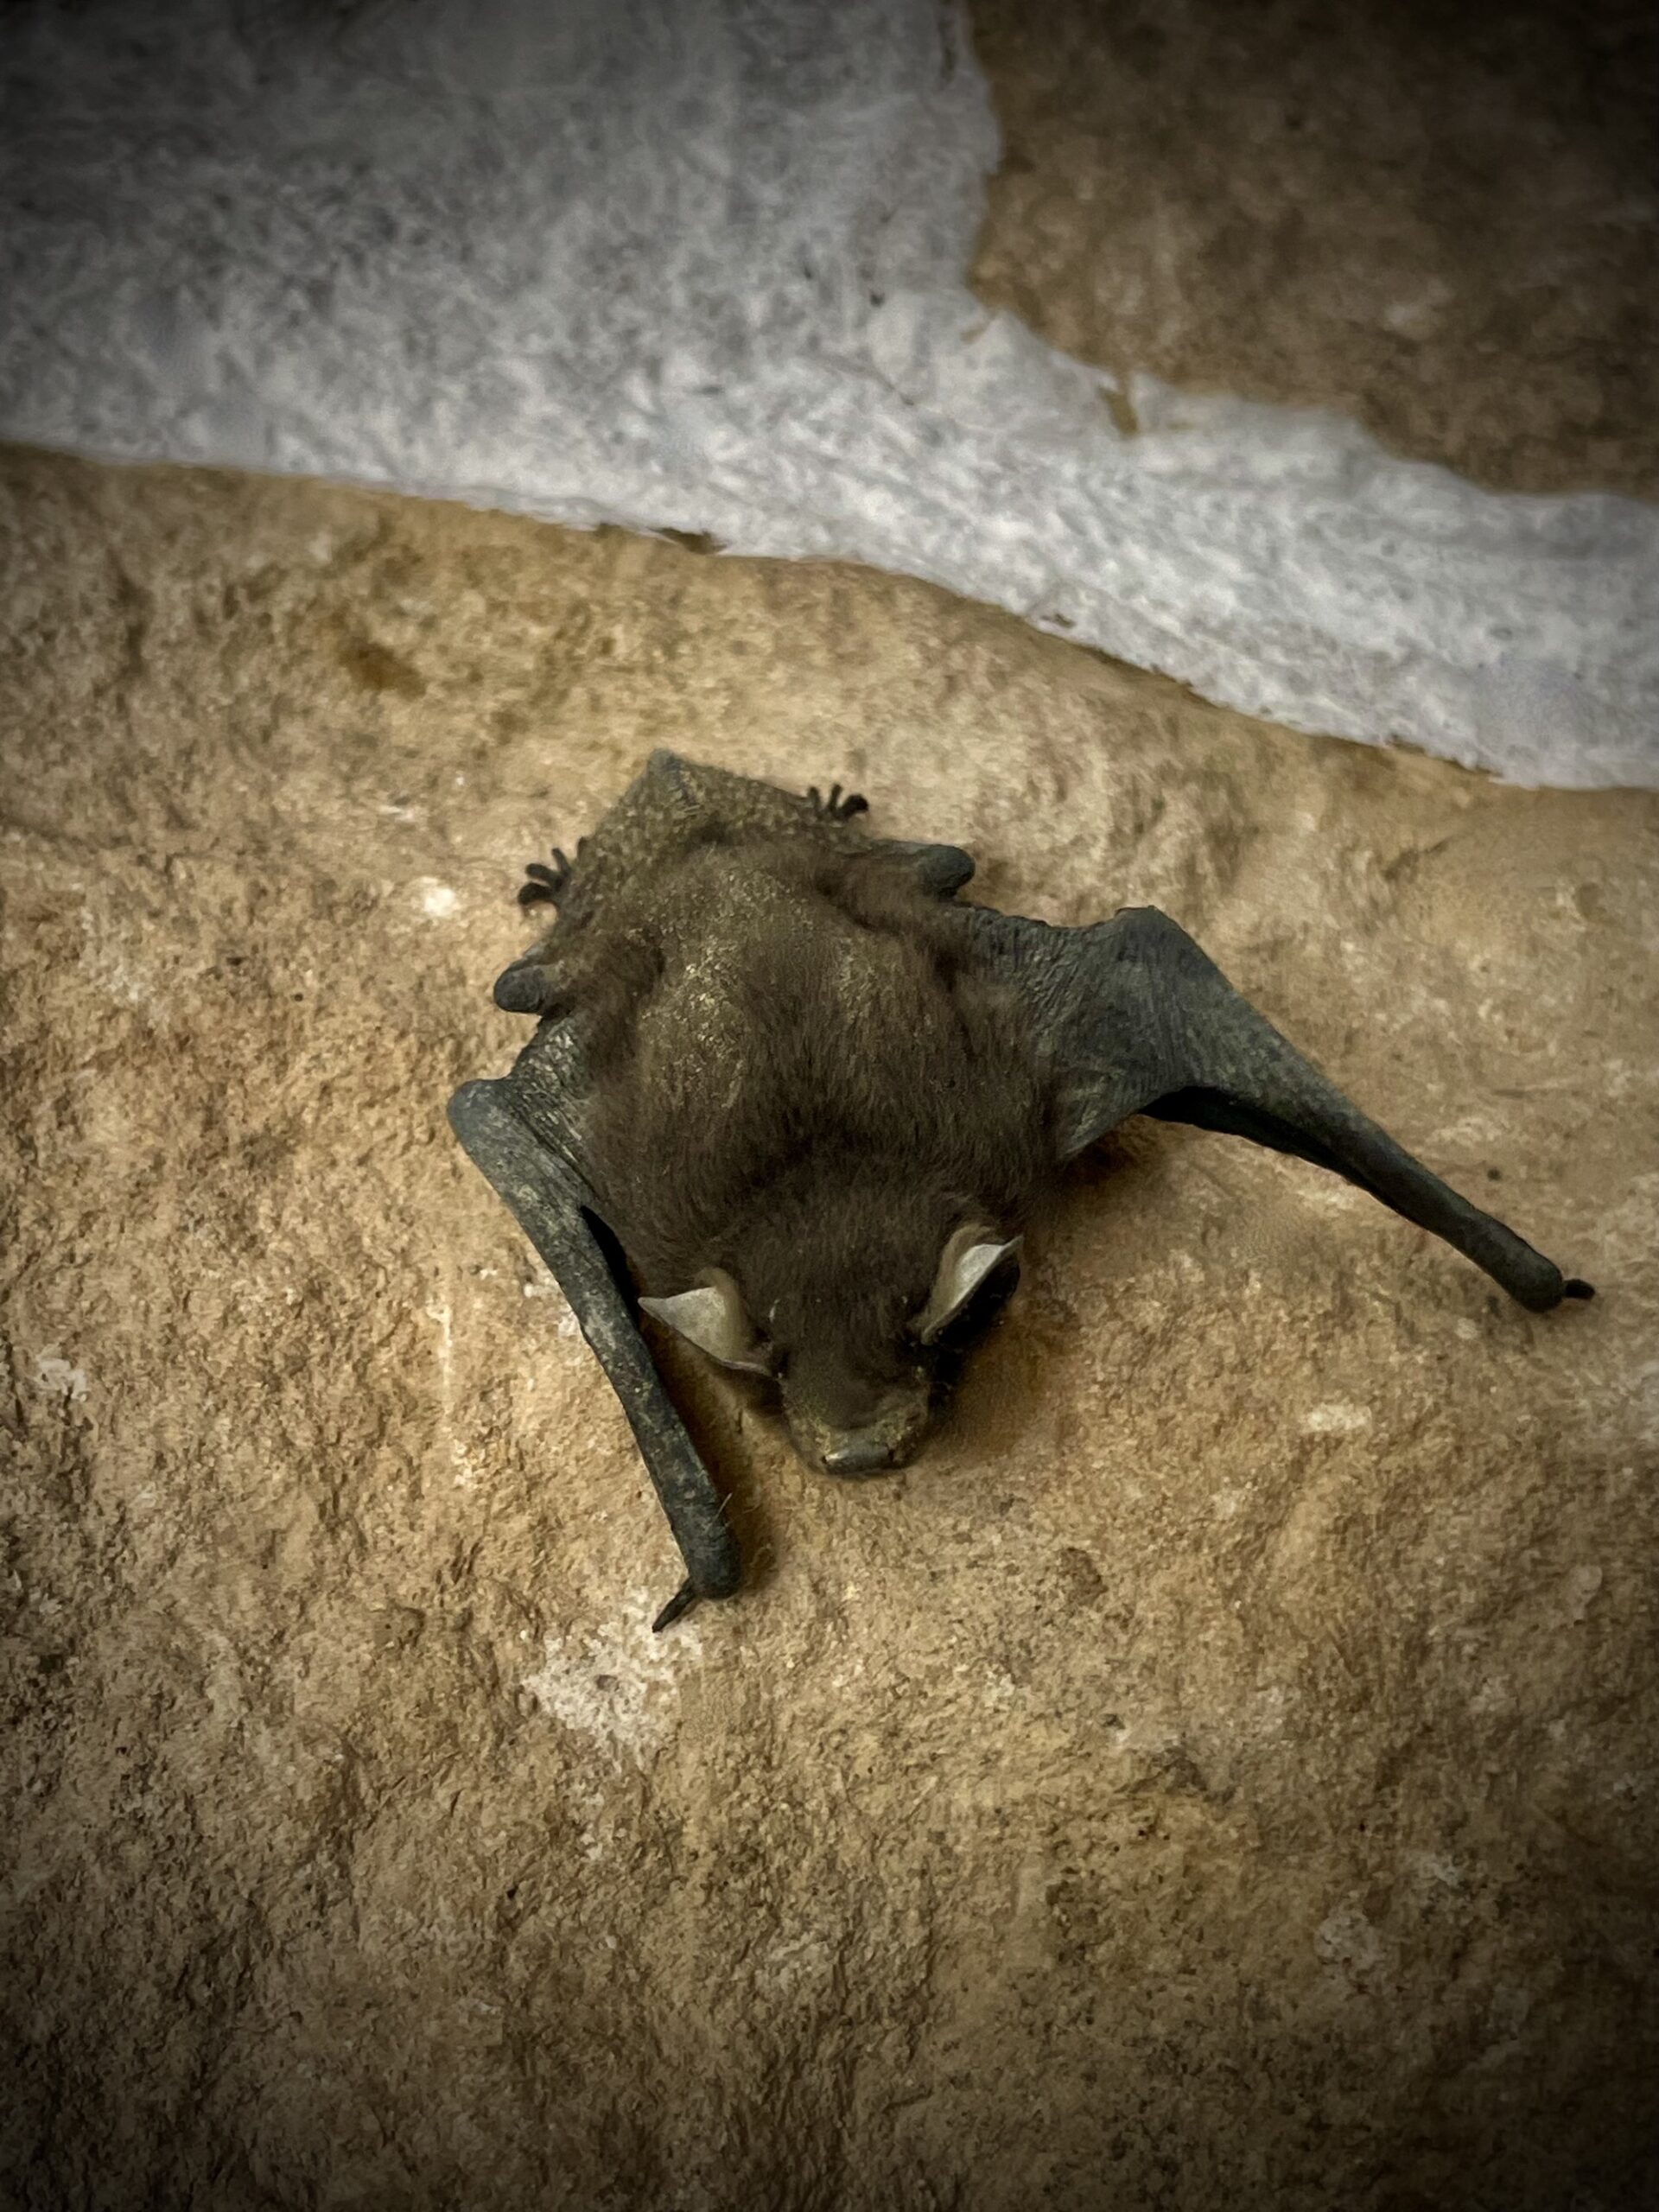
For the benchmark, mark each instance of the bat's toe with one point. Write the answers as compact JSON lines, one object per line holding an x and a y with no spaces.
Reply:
{"x":543,"y":882}
{"x":839,"y":807}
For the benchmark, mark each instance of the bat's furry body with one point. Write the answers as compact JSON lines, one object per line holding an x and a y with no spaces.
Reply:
{"x":805,"y":1086}
{"x":812,"y":1095}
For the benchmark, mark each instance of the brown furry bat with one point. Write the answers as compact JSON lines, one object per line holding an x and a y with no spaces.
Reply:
{"x":809,"y":1095}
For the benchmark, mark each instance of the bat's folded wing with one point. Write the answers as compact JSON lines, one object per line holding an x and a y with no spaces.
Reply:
{"x":1135,"y":1019}
{"x":510,"y":1130}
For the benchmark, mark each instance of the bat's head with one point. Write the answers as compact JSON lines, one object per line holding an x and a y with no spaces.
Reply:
{"x":853,"y":1328}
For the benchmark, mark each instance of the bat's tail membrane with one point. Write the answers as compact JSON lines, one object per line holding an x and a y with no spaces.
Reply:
{"x":1139,"y":1020}
{"x":553,"y":1207}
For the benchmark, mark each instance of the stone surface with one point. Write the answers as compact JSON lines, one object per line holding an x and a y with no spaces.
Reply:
{"x":1222,"y":1771}
{"x":1442,"y":221}
{"x":701,"y":266}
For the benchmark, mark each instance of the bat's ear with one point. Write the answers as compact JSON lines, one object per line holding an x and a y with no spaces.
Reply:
{"x":715,"y":1319}
{"x":969,"y":1256}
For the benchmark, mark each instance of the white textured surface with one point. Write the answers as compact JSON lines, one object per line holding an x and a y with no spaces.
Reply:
{"x":699,"y":264}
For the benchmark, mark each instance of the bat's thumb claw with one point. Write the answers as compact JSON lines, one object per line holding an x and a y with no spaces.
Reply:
{"x":681,"y":1602}
{"x":1576,"y":1286}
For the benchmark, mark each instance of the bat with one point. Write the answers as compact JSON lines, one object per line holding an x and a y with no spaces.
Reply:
{"x":792,"y":1097}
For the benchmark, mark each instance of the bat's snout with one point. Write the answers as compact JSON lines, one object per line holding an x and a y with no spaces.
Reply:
{"x":845,"y":1421}
{"x":863,"y":1449}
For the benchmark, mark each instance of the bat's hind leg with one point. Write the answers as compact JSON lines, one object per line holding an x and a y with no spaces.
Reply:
{"x":838,"y":807}
{"x":545,"y":883}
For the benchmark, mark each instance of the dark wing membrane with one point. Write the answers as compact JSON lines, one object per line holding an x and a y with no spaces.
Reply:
{"x":1135,"y":1019}
{"x":517,"y":1131}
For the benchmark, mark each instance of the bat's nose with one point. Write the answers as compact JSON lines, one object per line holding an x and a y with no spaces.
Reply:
{"x":860,"y":1455}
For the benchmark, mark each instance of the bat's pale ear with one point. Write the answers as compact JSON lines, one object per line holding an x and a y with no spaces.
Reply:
{"x":715,"y":1319}
{"x":968,"y":1256}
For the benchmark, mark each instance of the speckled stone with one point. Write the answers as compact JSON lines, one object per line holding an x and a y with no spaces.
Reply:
{"x":1443,"y":221}
{"x":1220,"y":1772}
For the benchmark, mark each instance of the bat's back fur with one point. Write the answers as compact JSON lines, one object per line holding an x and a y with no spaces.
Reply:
{"x":797,"y":1079}
{"x":795,"y":1083}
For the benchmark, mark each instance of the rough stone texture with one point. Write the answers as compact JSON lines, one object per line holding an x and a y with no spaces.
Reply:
{"x":1444,"y":220}
{"x":1221,"y":1772}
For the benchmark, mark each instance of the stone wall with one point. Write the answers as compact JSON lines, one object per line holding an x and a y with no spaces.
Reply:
{"x":1220,"y":1772}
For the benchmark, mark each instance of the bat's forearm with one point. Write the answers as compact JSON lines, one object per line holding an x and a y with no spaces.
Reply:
{"x":548,"y":1205}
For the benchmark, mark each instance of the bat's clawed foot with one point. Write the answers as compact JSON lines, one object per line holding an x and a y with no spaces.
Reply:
{"x":837,"y":807}
{"x":545,"y":883}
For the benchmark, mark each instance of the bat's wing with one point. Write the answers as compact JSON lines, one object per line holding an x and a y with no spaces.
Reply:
{"x":521,"y":1132}
{"x":1135,"y":1019}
